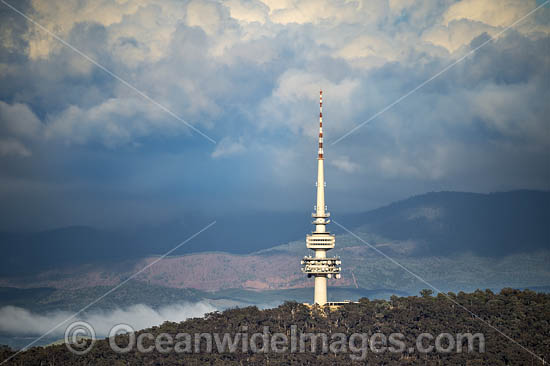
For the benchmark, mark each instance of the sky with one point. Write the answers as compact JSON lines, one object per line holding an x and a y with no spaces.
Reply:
{"x":95,"y":122}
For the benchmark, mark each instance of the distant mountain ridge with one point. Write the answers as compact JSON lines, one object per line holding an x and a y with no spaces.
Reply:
{"x":440,"y":223}
{"x":495,"y":224}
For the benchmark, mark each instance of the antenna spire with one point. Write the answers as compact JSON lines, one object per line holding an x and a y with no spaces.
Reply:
{"x":320,"y":156}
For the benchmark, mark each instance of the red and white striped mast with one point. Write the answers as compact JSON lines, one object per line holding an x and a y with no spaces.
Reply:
{"x":320,"y":207}
{"x":320,"y":124}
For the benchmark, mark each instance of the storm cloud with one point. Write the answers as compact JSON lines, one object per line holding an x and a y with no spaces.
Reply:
{"x":77,"y":146}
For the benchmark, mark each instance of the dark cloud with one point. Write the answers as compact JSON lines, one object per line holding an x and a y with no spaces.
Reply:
{"x":79,"y":147}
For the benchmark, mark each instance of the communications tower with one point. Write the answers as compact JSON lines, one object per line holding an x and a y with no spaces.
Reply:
{"x":320,"y":266}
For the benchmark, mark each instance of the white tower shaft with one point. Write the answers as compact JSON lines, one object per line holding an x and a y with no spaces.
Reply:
{"x":320,"y":240}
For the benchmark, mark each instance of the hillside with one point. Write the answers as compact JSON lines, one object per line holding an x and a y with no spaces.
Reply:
{"x":518,"y":314}
{"x":278,"y":269}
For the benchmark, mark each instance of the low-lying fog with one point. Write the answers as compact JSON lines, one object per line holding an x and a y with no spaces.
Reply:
{"x":18,"y":321}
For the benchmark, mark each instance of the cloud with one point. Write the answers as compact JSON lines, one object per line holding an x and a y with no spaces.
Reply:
{"x":19,"y":321}
{"x":497,"y":108}
{"x":115,"y":121}
{"x":13,"y":147}
{"x":61,"y":18}
{"x":331,"y":12}
{"x":344,"y":163}
{"x":248,"y":10}
{"x":457,"y":33}
{"x":18,"y":120}
{"x":18,"y":126}
{"x":495,"y":13}
{"x":205,"y":15}
{"x":429,"y":163}
{"x":248,"y":72}
{"x":298,"y":88}
{"x":370,"y":50}
{"x":467,"y":19}
{"x":227,"y":147}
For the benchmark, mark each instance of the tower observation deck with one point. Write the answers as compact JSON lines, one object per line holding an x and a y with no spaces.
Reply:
{"x":320,"y":266}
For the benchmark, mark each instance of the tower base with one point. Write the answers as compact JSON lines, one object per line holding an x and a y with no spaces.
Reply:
{"x":320,"y":294}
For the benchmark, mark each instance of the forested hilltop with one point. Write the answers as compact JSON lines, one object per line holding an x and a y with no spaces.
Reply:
{"x":523,"y":316}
